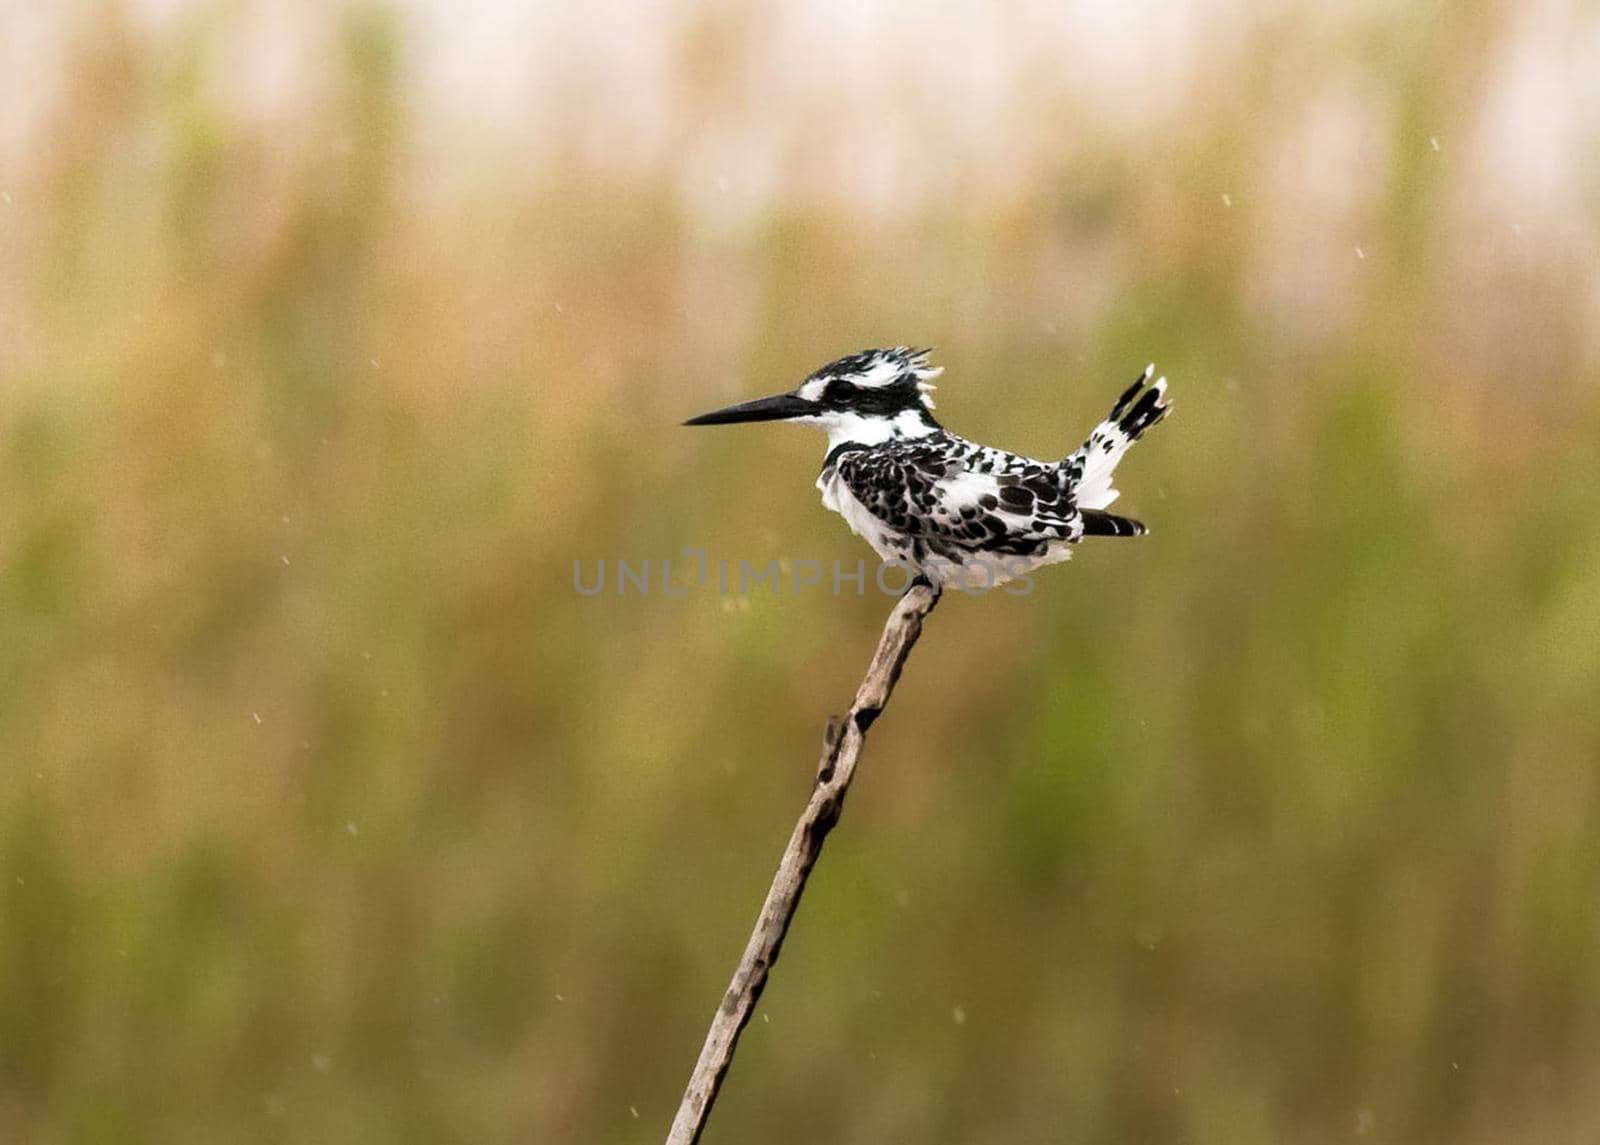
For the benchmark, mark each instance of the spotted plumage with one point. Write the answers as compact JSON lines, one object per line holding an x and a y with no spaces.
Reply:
{"x":956,"y":511}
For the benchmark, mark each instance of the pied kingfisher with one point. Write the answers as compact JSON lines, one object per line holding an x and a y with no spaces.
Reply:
{"x":953,"y":511}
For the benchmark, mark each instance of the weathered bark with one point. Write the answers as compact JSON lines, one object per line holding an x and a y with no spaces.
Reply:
{"x":840,"y":749}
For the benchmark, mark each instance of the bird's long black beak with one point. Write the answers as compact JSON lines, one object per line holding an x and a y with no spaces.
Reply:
{"x":775,"y":408}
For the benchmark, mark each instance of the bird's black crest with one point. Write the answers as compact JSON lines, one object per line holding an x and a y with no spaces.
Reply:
{"x":878,"y":382}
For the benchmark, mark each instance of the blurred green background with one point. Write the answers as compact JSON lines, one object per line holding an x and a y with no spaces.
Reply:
{"x":331,"y":335}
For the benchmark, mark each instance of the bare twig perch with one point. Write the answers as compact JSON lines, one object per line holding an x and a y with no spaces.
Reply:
{"x":840,"y":749}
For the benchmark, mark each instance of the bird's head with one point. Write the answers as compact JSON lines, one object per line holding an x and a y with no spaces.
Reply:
{"x":867,"y":398}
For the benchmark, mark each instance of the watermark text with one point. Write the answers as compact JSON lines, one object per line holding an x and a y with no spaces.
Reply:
{"x":693,"y":570}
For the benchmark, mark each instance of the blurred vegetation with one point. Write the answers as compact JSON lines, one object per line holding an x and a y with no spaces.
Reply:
{"x":332,"y":813}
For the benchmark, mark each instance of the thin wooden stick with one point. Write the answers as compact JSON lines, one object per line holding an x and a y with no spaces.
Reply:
{"x":840,"y":749}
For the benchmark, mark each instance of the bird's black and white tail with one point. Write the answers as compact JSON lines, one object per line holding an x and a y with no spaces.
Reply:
{"x":1139,"y":408}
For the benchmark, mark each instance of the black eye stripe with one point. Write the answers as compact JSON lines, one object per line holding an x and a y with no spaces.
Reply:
{"x":898,"y":395}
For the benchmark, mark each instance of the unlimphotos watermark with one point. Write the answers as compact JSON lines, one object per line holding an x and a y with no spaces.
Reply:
{"x":975,"y":576}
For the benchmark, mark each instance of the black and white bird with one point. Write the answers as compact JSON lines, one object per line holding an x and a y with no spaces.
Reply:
{"x":954,"y":511}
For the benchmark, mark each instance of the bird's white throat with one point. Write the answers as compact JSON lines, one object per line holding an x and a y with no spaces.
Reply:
{"x":845,"y":427}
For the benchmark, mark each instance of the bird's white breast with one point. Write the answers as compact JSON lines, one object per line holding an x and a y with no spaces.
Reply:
{"x":836,"y":495}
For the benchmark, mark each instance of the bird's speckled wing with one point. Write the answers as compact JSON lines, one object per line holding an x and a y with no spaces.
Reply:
{"x":956,"y":498}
